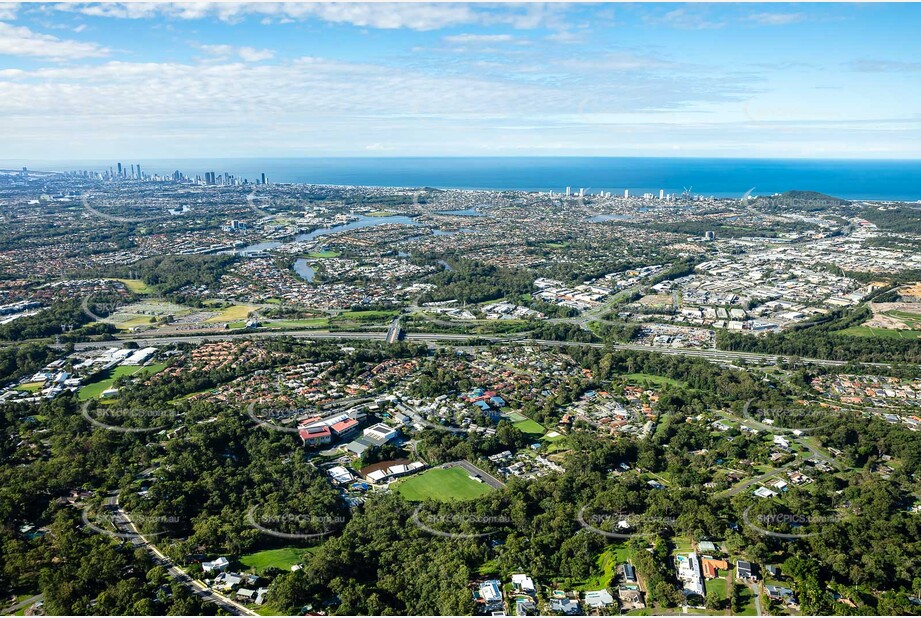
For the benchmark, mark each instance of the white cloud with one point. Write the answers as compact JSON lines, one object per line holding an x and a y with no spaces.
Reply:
{"x":217,"y":51}
{"x":478,"y":38}
{"x":619,"y":62}
{"x":247,"y":54}
{"x":123,"y":10}
{"x":687,"y":20}
{"x":775,"y":19}
{"x":251,"y":54}
{"x":21,"y":41}
{"x":381,"y":15}
{"x":8,"y":10}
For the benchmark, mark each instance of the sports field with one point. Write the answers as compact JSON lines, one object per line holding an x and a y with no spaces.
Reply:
{"x":442,"y":485}
{"x":94,"y":389}
{"x":531,"y":428}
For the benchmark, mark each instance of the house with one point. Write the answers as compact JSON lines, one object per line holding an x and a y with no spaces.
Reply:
{"x":764,"y":492}
{"x":630,"y":597}
{"x":782,"y":594}
{"x":488,"y":596}
{"x":525,"y":607}
{"x":597,"y":599}
{"x":215,"y":565}
{"x":245,"y":594}
{"x":227,"y":581}
{"x":690,"y":574}
{"x":773,"y":570}
{"x":746,"y":570}
{"x":711,"y":567}
{"x":340,"y":475}
{"x":524,"y":584}
{"x":567,"y":607}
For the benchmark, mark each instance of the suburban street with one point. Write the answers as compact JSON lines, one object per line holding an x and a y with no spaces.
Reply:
{"x":176,"y":572}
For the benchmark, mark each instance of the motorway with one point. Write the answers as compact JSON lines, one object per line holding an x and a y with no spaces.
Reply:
{"x":719,"y":356}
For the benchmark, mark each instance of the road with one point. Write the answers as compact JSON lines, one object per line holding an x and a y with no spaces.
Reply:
{"x":12,"y":609}
{"x":759,"y":479}
{"x":720,"y":356}
{"x":754,"y":588}
{"x":175,"y":572}
{"x":394,"y":333}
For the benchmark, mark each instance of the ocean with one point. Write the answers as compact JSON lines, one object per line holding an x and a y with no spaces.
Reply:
{"x":850,"y":179}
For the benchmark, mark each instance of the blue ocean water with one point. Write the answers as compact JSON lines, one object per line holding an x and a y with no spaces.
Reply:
{"x":852,"y":179}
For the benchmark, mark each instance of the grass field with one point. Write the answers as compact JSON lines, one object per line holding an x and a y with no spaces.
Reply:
{"x":311,"y":323}
{"x":886,"y":333}
{"x":94,"y":389}
{"x":910,"y":318}
{"x":323,"y":254}
{"x":30,"y":387}
{"x":516,"y":416}
{"x":648,"y":377}
{"x":367,"y":316}
{"x":381,"y":213}
{"x":283,"y":558}
{"x":233,"y":313}
{"x":683,"y":545}
{"x":137,"y":286}
{"x":141,"y":320}
{"x":442,"y":485}
{"x":531,"y":428}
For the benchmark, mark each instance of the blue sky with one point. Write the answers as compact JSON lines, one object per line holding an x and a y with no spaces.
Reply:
{"x":99,"y":81}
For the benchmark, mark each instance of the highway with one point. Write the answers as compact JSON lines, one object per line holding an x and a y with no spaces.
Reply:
{"x":720,"y":356}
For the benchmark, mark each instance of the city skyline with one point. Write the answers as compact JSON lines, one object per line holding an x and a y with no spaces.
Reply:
{"x":136,"y":82}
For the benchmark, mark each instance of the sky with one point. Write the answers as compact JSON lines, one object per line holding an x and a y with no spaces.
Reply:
{"x":158,"y":81}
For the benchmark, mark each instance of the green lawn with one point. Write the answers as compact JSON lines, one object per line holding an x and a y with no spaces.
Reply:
{"x":531,"y":428}
{"x":442,"y":485}
{"x":652,"y":379}
{"x":323,"y":254}
{"x":683,"y":545}
{"x":748,"y":602}
{"x":283,"y":558}
{"x":718,"y":584}
{"x":94,"y":389}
